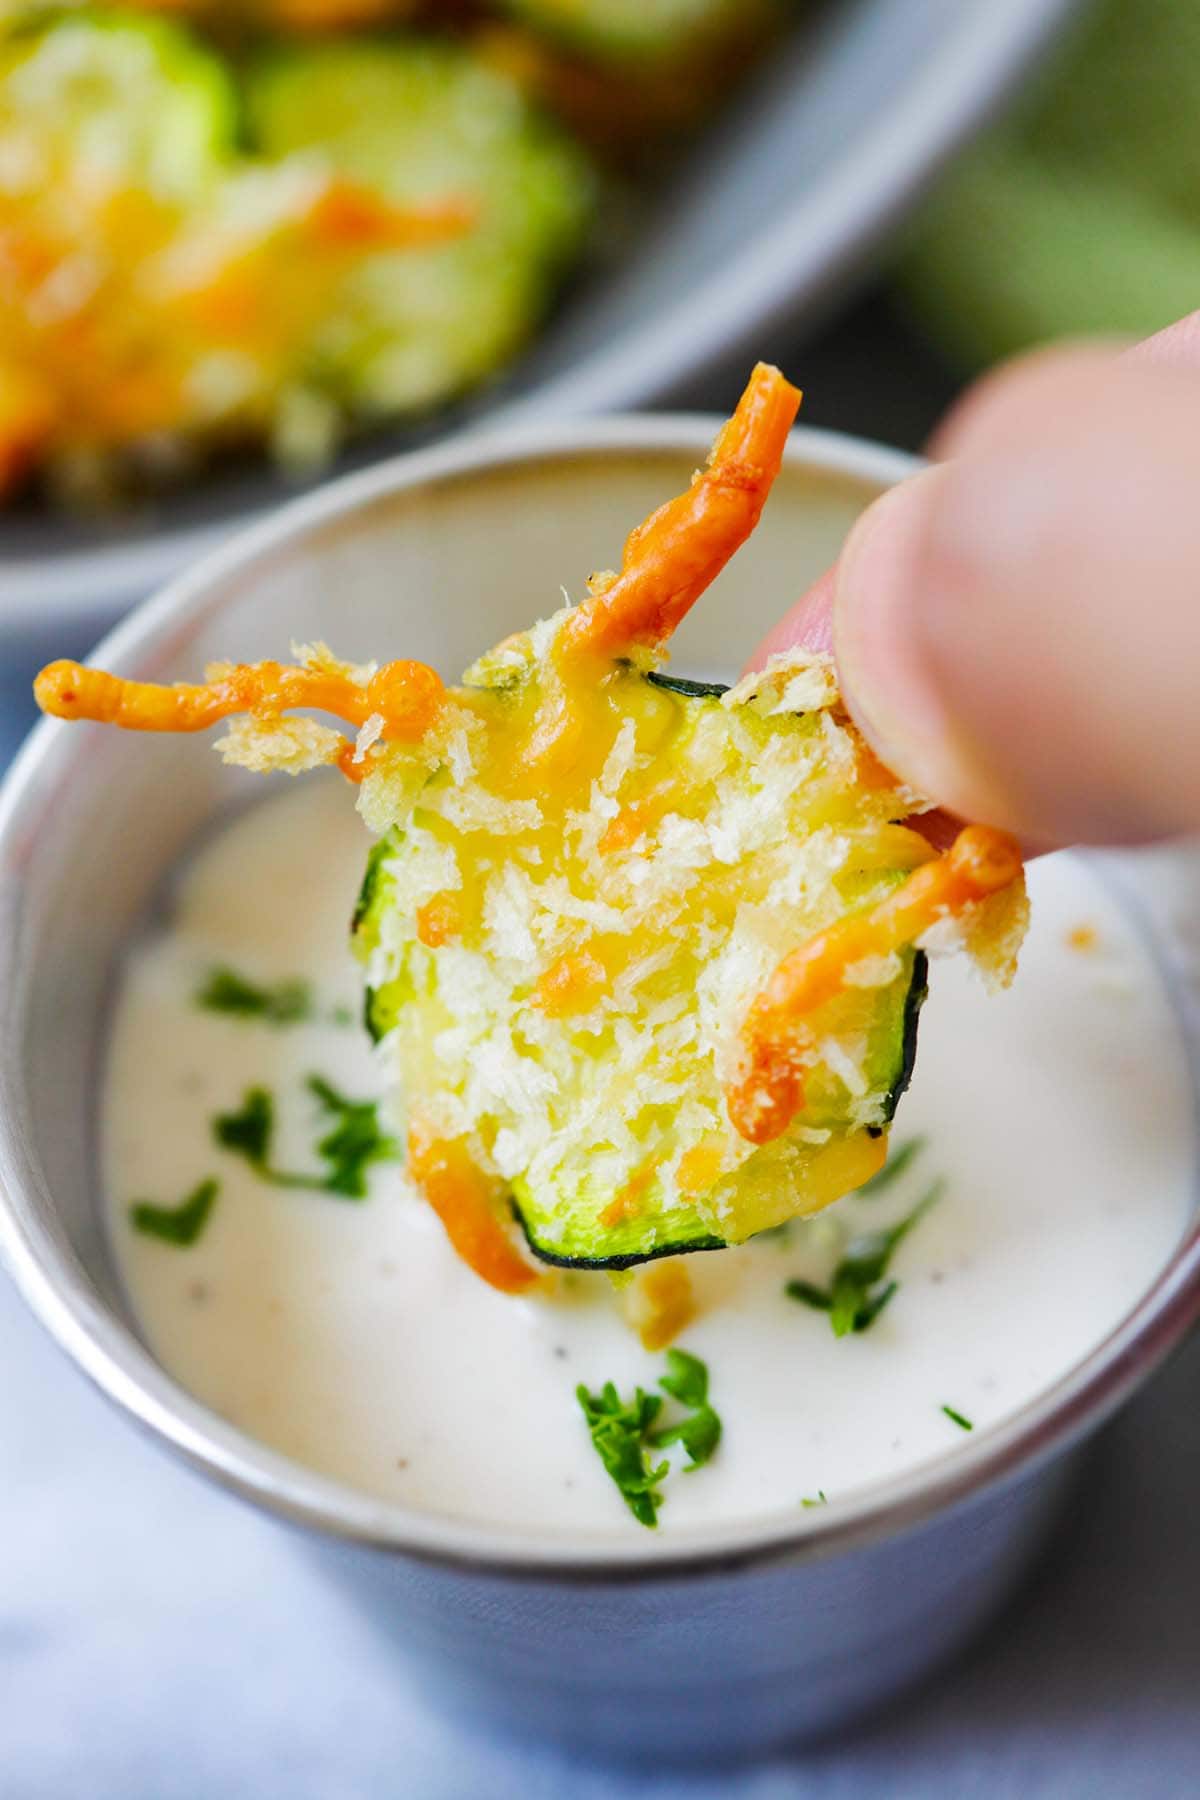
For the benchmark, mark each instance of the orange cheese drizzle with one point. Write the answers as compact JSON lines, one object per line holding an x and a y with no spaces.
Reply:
{"x":768,"y":1089}
{"x":662,"y":1304}
{"x":628,"y":1200}
{"x":407,"y":696}
{"x":571,"y":984}
{"x":341,"y":222}
{"x":356,"y":218}
{"x":465,"y":1201}
{"x":440,"y":919}
{"x":680,"y":550}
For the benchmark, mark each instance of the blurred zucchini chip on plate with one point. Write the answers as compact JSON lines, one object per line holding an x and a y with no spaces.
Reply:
{"x":422,"y":122}
{"x":280,"y":247}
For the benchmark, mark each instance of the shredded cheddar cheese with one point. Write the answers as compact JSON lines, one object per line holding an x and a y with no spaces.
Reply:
{"x":765,"y":1097}
{"x":660,"y":1303}
{"x":469,"y":1207}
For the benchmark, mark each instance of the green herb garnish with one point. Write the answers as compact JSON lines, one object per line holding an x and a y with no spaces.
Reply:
{"x":958,"y":1418}
{"x":618,"y":1429}
{"x":284,"y":1003}
{"x":817,"y":1499}
{"x":354,"y":1142}
{"x":893,"y":1168}
{"x":686,"y":1380}
{"x":858,"y":1292}
{"x":180,"y":1225}
{"x":622,"y":1431}
{"x":248,"y":1131}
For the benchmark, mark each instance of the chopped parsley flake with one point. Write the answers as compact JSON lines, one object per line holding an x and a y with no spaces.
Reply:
{"x":893,"y":1168}
{"x":283,"y":1003}
{"x":858,"y":1291}
{"x":686,"y":1380}
{"x":249,"y":1130}
{"x":958,"y":1418}
{"x":622,"y":1431}
{"x":180,"y":1225}
{"x":618,"y":1429}
{"x":354,"y":1141}
{"x":817,"y":1499}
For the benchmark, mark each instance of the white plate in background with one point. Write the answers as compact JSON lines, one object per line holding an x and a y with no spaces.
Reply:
{"x":780,"y":202}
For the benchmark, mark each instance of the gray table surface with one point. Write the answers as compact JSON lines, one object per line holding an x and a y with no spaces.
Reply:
{"x":159,"y":1641}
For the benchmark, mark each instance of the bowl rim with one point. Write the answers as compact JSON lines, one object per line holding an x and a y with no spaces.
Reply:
{"x":811,"y":252}
{"x":63,"y":1298}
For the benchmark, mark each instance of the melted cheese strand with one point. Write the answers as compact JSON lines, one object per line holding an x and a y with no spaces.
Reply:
{"x":118,"y":367}
{"x":354,"y":217}
{"x":464,"y":1199}
{"x":407,"y":696}
{"x":681,"y":549}
{"x":769,"y":1089}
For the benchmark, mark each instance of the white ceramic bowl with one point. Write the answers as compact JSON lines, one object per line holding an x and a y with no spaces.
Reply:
{"x":828,"y":146}
{"x":742,"y":1635}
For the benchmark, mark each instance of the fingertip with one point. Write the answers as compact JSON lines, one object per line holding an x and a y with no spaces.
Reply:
{"x":878,"y":633}
{"x":1177,"y":346}
{"x":1017,"y":631}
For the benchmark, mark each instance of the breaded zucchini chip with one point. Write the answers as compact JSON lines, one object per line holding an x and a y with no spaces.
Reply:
{"x":196,"y":252}
{"x":415,"y":120}
{"x":558,"y":964}
{"x":643,"y":955}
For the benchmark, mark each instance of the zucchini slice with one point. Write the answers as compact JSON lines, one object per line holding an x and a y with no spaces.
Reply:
{"x":133,"y":101}
{"x":424,"y":122}
{"x":559,"y":965}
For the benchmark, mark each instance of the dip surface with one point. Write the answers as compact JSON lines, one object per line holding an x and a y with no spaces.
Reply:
{"x":346,"y":1333}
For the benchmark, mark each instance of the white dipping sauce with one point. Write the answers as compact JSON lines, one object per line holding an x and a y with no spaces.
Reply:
{"x":349,"y":1336}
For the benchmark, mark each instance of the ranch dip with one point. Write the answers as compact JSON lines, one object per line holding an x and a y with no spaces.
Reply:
{"x":1055,"y":1120}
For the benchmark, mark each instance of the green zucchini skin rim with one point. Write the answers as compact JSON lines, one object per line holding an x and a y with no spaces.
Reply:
{"x":628,"y":1260}
{"x":918,"y":990}
{"x":375,"y":1032}
{"x":683,"y":684}
{"x":370,"y":880}
{"x":914,"y":1000}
